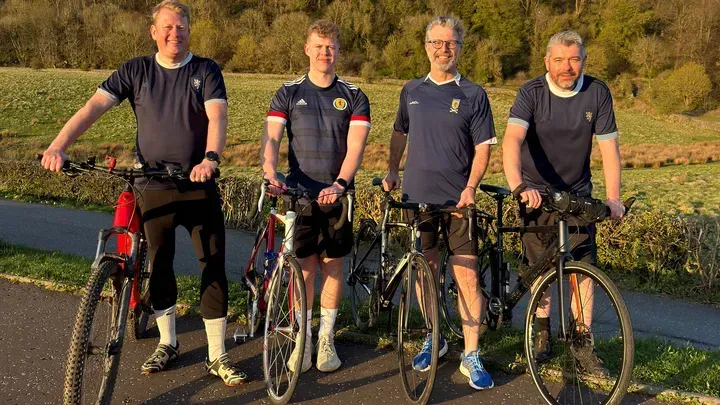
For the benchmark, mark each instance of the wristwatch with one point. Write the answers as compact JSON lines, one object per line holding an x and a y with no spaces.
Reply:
{"x":341,"y":182}
{"x":212,"y":156}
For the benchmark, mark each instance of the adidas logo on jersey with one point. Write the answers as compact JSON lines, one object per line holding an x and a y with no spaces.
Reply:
{"x":301,"y":102}
{"x":414,"y":102}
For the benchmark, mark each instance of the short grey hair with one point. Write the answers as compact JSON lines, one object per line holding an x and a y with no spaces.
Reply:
{"x":567,"y":38}
{"x":448,"y":22}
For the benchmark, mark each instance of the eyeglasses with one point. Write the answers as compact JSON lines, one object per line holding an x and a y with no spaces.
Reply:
{"x":438,"y":43}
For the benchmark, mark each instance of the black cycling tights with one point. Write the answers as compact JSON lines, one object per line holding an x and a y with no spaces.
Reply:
{"x":199,"y":211}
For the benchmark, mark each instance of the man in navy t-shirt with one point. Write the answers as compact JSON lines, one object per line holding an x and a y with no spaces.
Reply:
{"x":447,"y":121}
{"x":548,"y":142}
{"x":180,"y":106}
{"x":327,"y":121}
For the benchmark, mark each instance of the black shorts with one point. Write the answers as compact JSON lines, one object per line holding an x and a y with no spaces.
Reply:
{"x":582,"y":236}
{"x":431,"y":226}
{"x":315,"y":233}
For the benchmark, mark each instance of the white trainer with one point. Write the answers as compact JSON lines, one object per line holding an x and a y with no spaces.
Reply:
{"x":327,"y":358}
{"x":307,"y":356}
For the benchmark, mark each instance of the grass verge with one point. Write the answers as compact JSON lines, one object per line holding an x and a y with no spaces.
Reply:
{"x":657,"y":362}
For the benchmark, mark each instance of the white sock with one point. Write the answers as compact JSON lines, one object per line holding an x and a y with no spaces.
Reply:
{"x":165,"y":320}
{"x":327,"y":321}
{"x":215,"y":330}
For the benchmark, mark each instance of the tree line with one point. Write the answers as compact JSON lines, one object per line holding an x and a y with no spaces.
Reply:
{"x":661,"y":45}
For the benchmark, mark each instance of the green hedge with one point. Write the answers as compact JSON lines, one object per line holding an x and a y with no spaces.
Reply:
{"x":649,"y":249}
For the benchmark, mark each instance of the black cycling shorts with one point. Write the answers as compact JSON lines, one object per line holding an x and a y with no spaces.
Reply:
{"x":582,"y":236}
{"x":458,"y":244}
{"x":315,"y":233}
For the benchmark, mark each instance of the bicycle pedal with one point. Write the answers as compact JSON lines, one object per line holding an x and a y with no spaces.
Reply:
{"x":240,"y":335}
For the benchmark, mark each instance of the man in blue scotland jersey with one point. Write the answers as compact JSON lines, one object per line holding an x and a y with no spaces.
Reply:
{"x":327,"y":121}
{"x":447,"y":121}
{"x":548,"y":142}
{"x":180,"y":105}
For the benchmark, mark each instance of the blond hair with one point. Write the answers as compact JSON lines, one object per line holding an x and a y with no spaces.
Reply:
{"x":174,"y":6}
{"x":325,"y":29}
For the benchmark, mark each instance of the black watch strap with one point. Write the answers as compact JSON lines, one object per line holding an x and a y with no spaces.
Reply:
{"x":212,"y":156}
{"x":341,"y":182}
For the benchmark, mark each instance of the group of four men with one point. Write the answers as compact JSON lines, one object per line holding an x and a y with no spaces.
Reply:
{"x":180,"y":104}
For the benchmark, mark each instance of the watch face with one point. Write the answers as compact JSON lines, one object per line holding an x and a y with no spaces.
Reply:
{"x":212,"y":156}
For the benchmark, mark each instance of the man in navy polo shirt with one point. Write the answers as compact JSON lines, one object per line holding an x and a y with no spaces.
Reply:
{"x":547,"y":142}
{"x":180,"y":105}
{"x":449,"y":126}
{"x":327,"y":121}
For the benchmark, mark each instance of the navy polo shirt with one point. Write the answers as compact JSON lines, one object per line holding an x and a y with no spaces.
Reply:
{"x":317,"y":120}
{"x":560,"y":127}
{"x":444,"y":122}
{"x":169,"y":104}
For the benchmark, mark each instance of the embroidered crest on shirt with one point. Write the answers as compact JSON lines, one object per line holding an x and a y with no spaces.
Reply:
{"x":340,"y":104}
{"x":196,"y":83}
{"x":588,"y":116}
{"x":455,"y":105}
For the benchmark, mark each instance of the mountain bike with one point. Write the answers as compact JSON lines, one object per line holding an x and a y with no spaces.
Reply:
{"x":275,"y":284}
{"x":374,"y":277}
{"x":116,"y":295}
{"x":590,"y":316}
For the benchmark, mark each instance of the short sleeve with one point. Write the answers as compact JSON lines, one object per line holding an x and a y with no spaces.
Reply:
{"x":605,"y":126}
{"x":214,"y":87}
{"x":482,"y":127}
{"x":119,"y":85}
{"x":279,"y":110}
{"x":402,"y":121}
{"x":360,"y":114}
{"x":522,"y":111}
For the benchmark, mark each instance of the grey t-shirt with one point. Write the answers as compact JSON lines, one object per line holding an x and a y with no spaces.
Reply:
{"x":169,"y":104}
{"x":444,"y":122}
{"x":560,"y":127}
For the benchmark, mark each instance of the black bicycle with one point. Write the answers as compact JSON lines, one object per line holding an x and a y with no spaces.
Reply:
{"x":375,"y":275}
{"x":589,"y":317}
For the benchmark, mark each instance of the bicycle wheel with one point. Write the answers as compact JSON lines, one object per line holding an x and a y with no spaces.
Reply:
{"x":365,"y":263}
{"x":418,"y":320}
{"x":140,"y":315}
{"x":593,"y":362}
{"x":255,"y":304}
{"x":449,"y":294}
{"x":95,"y":347}
{"x":285,"y":329}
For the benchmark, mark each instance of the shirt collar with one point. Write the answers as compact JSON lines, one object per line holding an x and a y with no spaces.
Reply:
{"x":564,"y":94}
{"x":174,"y":65}
{"x":456,"y":79}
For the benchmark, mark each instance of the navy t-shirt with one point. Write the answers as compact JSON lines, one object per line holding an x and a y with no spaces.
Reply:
{"x":444,"y":122}
{"x":317,"y":121}
{"x":560,"y":127}
{"x":169,"y":104}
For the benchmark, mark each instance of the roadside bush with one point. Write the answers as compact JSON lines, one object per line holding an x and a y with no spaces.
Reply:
{"x":682,"y":90}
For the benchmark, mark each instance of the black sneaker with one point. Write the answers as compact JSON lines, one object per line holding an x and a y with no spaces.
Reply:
{"x":583,"y":349}
{"x":160,"y":358}
{"x":223,"y":368}
{"x":543,"y":345}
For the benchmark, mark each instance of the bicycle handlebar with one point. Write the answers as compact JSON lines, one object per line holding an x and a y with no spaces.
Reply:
{"x":169,"y":173}
{"x":587,"y":208}
{"x":346,"y":199}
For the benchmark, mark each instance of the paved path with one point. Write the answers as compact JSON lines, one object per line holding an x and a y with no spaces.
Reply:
{"x":34,"y":336}
{"x":75,"y":231}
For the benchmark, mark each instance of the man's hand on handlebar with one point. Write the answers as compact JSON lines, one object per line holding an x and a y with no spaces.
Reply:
{"x":275,"y":187}
{"x":467,"y":199}
{"x":617,"y":208}
{"x":53,"y":159}
{"x":391,"y":181}
{"x":330,"y":194}
{"x":203,"y":172}
{"x":531,"y":198}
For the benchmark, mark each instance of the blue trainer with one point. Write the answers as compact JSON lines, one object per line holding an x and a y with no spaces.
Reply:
{"x":421,"y":362}
{"x":472,"y":368}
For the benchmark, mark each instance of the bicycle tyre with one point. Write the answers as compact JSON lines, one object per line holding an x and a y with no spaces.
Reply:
{"x":449,"y":292}
{"x":253,"y":304}
{"x":409,"y":324}
{"x":621,"y":340}
{"x":81,"y":346}
{"x":278,"y":390}
{"x":140,"y":316}
{"x":366,"y":253}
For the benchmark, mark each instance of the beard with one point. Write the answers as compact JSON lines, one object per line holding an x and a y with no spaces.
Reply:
{"x":447,"y":66}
